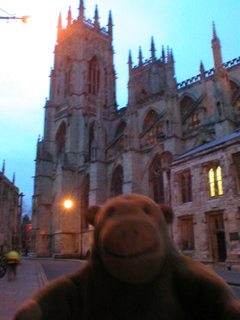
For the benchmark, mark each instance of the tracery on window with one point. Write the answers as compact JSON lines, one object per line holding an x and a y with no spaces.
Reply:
{"x":61,"y":140}
{"x":185,"y":104}
{"x":156,"y":180}
{"x":93,"y":76}
{"x":215,"y":181}
{"x":67,"y":83}
{"x":152,"y":132}
{"x":117,"y":181}
{"x":195,"y":121}
{"x":150,"y":119}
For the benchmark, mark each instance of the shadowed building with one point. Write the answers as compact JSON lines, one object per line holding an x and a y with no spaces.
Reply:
{"x":10,"y":213}
{"x":177,"y":143}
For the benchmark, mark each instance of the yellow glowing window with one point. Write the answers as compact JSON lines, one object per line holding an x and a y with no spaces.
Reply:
{"x":219,"y":181}
{"x":211,"y":180}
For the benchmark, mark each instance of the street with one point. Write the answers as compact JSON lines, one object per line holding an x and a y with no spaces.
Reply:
{"x":56,"y":268}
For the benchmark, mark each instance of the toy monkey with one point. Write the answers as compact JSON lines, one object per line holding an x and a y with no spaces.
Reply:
{"x":134,"y":272}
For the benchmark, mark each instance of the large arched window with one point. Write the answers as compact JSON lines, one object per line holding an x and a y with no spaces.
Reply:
{"x":150,"y":119}
{"x":156,"y":180}
{"x":61,"y":140}
{"x":93,"y":76}
{"x":117,"y":181}
{"x":84,"y":201}
{"x":185,"y":104}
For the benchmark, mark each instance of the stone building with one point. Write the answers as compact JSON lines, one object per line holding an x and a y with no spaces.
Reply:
{"x":177,"y":143}
{"x":10,"y":214}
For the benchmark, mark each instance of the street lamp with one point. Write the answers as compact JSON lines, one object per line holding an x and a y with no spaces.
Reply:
{"x":23,"y":18}
{"x":68,"y":204}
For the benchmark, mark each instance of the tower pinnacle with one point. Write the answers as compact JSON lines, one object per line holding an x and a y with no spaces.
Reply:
{"x":3,"y":167}
{"x":59,"y":26}
{"x":96,"y":19}
{"x":130,"y":61}
{"x":69,"y":18}
{"x":214,"y":30}
{"x":81,"y":10}
{"x":153,"y":50}
{"x":140,"y":63}
{"x":110,"y":25}
{"x":217,"y":54}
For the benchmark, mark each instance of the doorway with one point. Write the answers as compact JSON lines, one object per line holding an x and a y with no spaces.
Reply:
{"x":217,"y":237}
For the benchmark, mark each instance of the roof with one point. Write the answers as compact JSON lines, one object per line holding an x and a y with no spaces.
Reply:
{"x":209,"y":145}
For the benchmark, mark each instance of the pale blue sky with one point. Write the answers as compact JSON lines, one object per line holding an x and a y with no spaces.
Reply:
{"x":26,"y":57}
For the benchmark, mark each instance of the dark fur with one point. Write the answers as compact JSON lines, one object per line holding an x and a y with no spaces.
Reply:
{"x":182,"y":289}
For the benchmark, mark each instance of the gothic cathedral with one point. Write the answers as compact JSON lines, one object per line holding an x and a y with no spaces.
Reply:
{"x":177,"y":143}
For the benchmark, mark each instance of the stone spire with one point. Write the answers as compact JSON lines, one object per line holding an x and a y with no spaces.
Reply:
{"x":3,"y":168}
{"x":81,"y":10}
{"x":214,"y":30}
{"x":163,"y":54}
{"x":69,"y":18}
{"x":153,"y":50}
{"x":140,"y":62}
{"x":202,"y":70}
{"x":217,"y":54}
{"x":110,"y":25}
{"x":130,"y":61}
{"x":13,"y":180}
{"x":96,"y":19}
{"x":59,"y":26}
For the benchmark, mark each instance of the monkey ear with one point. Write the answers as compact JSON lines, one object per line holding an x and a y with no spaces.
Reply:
{"x":167,"y":212}
{"x":90,"y":214}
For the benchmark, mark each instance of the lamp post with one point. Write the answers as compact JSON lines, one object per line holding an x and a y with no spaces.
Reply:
{"x":24,"y":18}
{"x":10,"y":16}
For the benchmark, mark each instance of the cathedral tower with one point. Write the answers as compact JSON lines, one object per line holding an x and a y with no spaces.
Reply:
{"x":82,"y":98}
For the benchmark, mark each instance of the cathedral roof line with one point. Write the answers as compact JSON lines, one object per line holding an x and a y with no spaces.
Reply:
{"x":210,"y":145}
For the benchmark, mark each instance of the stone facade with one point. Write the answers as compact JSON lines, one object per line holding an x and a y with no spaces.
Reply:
{"x":177,"y":143}
{"x":10,"y":214}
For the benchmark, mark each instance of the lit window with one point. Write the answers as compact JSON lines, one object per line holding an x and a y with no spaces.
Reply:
{"x":219,"y":181}
{"x":215,"y":181}
{"x":195,"y":121}
{"x":211,"y":182}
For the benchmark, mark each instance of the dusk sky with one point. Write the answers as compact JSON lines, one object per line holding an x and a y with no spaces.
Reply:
{"x":27,"y":56}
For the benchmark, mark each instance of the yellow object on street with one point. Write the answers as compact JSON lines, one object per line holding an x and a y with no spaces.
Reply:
{"x":13,"y":256}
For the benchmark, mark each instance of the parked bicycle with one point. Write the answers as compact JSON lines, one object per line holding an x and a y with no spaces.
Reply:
{"x":3,"y":265}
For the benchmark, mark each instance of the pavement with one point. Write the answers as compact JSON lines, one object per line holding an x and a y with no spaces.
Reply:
{"x":31,"y":277}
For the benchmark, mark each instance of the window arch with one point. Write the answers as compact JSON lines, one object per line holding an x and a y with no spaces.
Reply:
{"x":215,"y":181}
{"x":67,"y":83}
{"x":185,"y":104}
{"x":120,"y":129}
{"x":156,"y":180}
{"x":61,"y":139}
{"x":93,"y":76}
{"x":117,"y":181}
{"x":149,"y":119}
